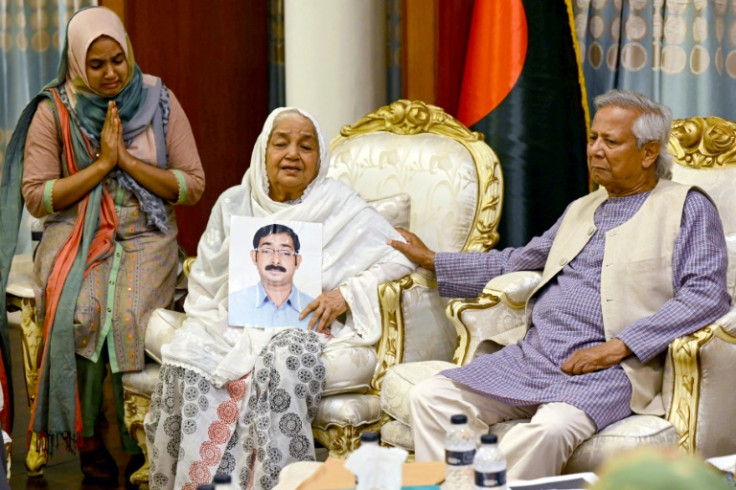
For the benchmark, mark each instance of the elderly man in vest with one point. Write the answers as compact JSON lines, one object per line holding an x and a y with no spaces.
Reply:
{"x":627,"y":269}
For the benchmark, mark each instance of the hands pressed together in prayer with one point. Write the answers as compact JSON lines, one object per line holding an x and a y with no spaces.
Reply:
{"x":70,"y":189}
{"x":595,"y":358}
{"x":111,"y":138}
{"x":113,"y":152}
{"x":112,"y":147}
{"x":326,"y":307}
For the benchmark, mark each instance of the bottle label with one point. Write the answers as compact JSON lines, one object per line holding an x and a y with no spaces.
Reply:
{"x":459,"y":458}
{"x":490,"y":479}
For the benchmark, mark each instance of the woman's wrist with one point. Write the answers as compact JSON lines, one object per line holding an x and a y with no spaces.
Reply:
{"x":105,"y":164}
{"x":126,"y":160}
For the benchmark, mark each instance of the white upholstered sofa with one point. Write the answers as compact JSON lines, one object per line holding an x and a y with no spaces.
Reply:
{"x":424,"y":171}
{"x":699,"y":387}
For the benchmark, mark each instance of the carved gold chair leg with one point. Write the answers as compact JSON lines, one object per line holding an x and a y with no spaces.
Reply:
{"x":35,"y":460}
{"x":32,"y":343}
{"x":8,"y":459}
{"x":136,"y":407}
{"x":341,"y":441}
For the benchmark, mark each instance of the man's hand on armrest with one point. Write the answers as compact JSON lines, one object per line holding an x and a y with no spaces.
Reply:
{"x":414,"y":249}
{"x":595,"y":358}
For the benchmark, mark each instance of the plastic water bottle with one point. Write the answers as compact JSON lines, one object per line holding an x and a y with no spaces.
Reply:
{"x":489,"y":464}
{"x":459,"y":454}
{"x":367,"y":439}
{"x":223,"y":481}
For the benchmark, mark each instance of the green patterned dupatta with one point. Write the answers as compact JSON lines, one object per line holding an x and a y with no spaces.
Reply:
{"x":11,"y":209}
{"x":11,"y":205}
{"x":56,"y":409}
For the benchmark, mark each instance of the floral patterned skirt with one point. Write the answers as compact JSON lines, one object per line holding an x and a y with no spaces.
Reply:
{"x":250,"y":428}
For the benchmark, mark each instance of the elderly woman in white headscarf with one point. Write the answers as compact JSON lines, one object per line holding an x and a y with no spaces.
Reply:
{"x":239,"y":400}
{"x":102,"y":153}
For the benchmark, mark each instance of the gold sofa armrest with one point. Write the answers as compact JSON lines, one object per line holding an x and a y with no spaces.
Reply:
{"x":495,"y":318}
{"x":187,"y":264}
{"x":699,"y":385}
{"x":390,"y":348}
{"x":341,"y":439}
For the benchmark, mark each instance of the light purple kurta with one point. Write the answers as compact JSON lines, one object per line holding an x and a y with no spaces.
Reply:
{"x":567,"y":314}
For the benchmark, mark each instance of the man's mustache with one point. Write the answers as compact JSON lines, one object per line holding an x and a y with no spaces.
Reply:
{"x":273,"y":267}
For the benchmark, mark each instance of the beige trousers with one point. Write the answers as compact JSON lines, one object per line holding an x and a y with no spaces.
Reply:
{"x":533,"y":449}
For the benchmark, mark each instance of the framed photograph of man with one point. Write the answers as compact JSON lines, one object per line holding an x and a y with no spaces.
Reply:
{"x":275,"y":271}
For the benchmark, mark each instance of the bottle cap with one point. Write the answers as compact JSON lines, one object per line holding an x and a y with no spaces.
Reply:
{"x":206,"y":486}
{"x":369,"y":437}
{"x":222,"y":478}
{"x":459,"y":419}
{"x":489,"y":439}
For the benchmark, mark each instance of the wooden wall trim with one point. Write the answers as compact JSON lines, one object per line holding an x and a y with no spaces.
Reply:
{"x":117,"y":6}
{"x":419,"y":80}
{"x":214,"y":57}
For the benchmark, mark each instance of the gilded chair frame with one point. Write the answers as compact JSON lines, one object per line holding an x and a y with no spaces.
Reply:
{"x":455,"y":310}
{"x":404,"y":117}
{"x":702,"y":143}
{"x":19,"y":297}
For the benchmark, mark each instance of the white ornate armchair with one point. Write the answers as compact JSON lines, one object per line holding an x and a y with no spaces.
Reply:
{"x":422,"y":170}
{"x":699,"y":380}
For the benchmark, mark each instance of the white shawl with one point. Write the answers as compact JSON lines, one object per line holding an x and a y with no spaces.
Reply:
{"x":355,"y":258}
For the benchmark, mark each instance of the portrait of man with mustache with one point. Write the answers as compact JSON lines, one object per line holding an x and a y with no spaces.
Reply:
{"x":274,"y":301}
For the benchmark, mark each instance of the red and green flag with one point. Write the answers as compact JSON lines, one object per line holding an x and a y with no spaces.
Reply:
{"x":523,"y":88}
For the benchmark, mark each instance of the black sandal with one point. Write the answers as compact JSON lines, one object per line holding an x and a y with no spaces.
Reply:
{"x":99,"y":465}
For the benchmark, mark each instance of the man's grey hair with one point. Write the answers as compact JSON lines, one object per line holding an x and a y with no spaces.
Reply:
{"x":653,"y":124}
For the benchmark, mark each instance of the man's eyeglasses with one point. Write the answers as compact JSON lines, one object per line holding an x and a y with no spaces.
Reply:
{"x":282,"y":253}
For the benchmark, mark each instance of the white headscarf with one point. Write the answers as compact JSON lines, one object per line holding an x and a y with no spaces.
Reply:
{"x":256,"y":176}
{"x":355,"y":258}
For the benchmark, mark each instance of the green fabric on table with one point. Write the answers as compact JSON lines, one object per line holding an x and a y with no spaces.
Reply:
{"x":650,"y":468}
